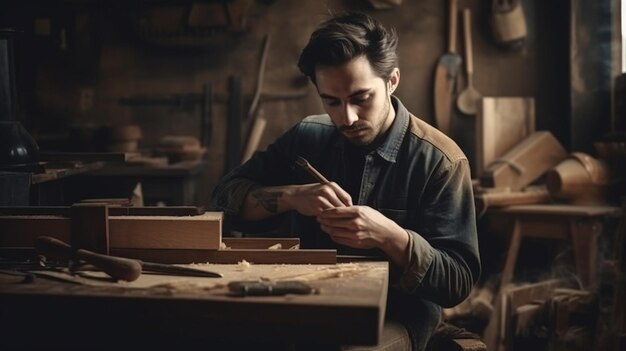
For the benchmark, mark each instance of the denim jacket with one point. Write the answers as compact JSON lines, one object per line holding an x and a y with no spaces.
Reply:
{"x":417,"y":176}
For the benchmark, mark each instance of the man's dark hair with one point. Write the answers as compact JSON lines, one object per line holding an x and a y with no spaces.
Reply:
{"x":347,"y":36}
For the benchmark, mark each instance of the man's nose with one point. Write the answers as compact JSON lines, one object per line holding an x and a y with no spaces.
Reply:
{"x":349,"y":115}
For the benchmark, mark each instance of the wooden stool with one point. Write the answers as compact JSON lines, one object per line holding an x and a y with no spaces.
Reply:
{"x":581,"y":225}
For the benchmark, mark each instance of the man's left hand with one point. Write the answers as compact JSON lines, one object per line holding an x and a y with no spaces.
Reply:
{"x":360,"y":227}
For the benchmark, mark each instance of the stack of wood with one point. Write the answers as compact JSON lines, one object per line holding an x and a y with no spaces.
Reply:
{"x":565,"y":321}
{"x":125,"y":138}
{"x":180,"y":148}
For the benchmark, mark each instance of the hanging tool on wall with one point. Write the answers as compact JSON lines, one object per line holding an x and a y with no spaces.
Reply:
{"x":467,"y":101}
{"x":255,"y":112}
{"x":233,"y":124}
{"x":446,"y":75}
{"x":508,"y":23}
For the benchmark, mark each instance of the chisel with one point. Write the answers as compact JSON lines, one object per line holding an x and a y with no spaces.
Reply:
{"x":117,"y":267}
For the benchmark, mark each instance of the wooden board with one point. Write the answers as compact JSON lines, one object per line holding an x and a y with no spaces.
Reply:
{"x":201,"y":232}
{"x":526,"y":162}
{"x":530,"y":195}
{"x":258,"y":256}
{"x":189,"y":232}
{"x":198,"y":312}
{"x":113,"y":211}
{"x":260,"y":243}
{"x":502,"y":123}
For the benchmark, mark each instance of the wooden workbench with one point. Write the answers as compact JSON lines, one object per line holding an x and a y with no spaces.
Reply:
{"x":156,"y":311}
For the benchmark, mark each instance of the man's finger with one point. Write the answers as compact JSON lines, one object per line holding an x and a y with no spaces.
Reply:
{"x":339,"y":212}
{"x":342,"y":195}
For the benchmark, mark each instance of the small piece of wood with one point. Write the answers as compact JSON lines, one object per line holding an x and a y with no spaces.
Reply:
{"x":469,"y":345}
{"x":502,"y":123}
{"x":525,"y":162}
{"x":154,"y":232}
{"x":530,"y":195}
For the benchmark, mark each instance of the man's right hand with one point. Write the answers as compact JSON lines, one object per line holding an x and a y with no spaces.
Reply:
{"x":312,"y":199}
{"x":306,"y":199}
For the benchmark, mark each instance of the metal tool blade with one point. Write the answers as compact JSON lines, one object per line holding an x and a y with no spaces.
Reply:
{"x":446,"y":72}
{"x":178,"y":270}
{"x":445,"y":82}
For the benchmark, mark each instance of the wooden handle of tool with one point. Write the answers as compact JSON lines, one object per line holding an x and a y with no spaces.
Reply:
{"x":452,"y":15}
{"x":117,"y":267}
{"x":467,"y":33}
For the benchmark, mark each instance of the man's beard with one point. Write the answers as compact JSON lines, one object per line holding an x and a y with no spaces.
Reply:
{"x":376,"y":129}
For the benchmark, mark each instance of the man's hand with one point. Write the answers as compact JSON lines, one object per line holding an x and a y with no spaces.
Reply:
{"x":312,"y":199}
{"x":307,"y":199}
{"x":363,"y":227}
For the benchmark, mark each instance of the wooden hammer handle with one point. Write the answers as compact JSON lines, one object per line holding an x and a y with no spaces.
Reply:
{"x":452,"y":20}
{"x":467,"y":35}
{"x":117,"y":267}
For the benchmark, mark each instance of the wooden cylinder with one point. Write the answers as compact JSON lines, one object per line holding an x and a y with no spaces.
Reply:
{"x":580,"y":179}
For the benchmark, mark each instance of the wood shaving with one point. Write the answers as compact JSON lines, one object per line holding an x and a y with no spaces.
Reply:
{"x":338,"y":271}
{"x":243,"y":264}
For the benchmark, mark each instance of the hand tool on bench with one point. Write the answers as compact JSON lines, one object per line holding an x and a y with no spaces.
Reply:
{"x":117,"y":267}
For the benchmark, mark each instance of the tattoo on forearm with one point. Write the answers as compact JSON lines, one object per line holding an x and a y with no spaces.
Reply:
{"x":267,"y":199}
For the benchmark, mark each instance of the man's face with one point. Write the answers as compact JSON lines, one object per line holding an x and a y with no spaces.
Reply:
{"x":356,"y":99}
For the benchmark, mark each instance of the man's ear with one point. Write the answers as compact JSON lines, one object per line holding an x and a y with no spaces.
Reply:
{"x":394,"y":80}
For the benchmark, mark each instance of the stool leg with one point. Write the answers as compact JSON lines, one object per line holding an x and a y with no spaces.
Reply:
{"x":584,"y":239}
{"x":511,"y":256}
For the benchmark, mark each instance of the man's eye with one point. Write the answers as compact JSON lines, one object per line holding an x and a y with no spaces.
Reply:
{"x":361,"y":99}
{"x":332,"y":102}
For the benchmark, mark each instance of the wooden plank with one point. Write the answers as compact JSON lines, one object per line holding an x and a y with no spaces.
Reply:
{"x":260,"y":243}
{"x":22,"y":231}
{"x":530,"y":195}
{"x":303,"y":256}
{"x":53,"y":173}
{"x":562,"y":210}
{"x":153,"y":232}
{"x":86,"y":156}
{"x":192,"y":232}
{"x":502,"y":123}
{"x":113,"y":211}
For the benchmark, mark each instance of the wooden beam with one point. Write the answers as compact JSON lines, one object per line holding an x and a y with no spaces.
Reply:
{"x":231,"y":256}
{"x":191,"y":232}
{"x":260,"y":243}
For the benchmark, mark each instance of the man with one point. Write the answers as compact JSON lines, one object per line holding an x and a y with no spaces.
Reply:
{"x":399,"y":188}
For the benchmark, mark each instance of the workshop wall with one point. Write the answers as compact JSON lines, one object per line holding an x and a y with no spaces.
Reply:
{"x":76,"y":59}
